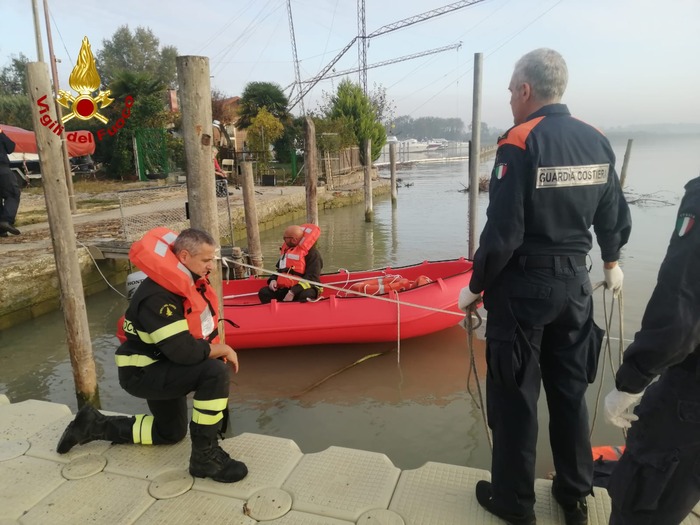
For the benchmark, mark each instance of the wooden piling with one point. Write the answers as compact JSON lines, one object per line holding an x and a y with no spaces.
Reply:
{"x":392,"y":165}
{"x":251,"y":217}
{"x":625,"y":163}
{"x":369,"y":209}
{"x":197,"y":130}
{"x":62,"y":237}
{"x":311,"y":167}
{"x":475,"y":156}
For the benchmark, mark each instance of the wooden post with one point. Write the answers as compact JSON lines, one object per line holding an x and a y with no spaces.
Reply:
{"x":62,"y":236}
{"x":625,"y":163}
{"x":311,"y":167}
{"x":369,"y":210}
{"x":197,"y":131}
{"x":392,"y":164}
{"x":475,"y":156}
{"x":59,"y":113}
{"x":251,"y":217}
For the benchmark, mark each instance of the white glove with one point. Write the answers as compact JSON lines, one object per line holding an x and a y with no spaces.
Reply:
{"x":467,"y":298}
{"x":273,"y":285}
{"x":289,"y":297}
{"x":613,"y":279}
{"x":616,"y":408}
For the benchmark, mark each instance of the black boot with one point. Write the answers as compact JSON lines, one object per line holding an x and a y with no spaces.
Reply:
{"x":89,"y":424}
{"x":209,"y":460}
{"x":7,"y":227}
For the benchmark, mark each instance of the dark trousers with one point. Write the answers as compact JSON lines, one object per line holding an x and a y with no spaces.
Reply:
{"x":266,"y":295}
{"x":540,"y":329}
{"x":9,"y":195}
{"x":165,"y":386}
{"x":657,"y":480}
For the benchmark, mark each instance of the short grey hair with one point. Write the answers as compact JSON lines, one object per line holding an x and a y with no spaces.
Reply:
{"x":546,"y":72}
{"x":191,"y":239}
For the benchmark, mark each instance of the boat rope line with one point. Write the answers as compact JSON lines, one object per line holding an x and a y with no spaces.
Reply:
{"x":339,"y":289}
{"x":607,"y":349}
{"x":470,"y":319}
{"x":97,"y":266}
{"x":329,"y":376}
{"x":473,"y":321}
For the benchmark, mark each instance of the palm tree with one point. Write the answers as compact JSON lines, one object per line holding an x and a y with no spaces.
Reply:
{"x":257,"y":95}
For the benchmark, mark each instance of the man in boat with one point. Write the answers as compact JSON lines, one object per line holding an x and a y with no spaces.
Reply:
{"x":657,"y":479}
{"x":171,"y":349}
{"x":553,"y":177}
{"x":300,"y":258}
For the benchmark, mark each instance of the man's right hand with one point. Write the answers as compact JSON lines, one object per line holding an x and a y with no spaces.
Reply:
{"x":273,"y":285}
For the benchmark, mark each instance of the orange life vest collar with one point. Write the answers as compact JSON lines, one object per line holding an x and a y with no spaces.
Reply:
{"x":154,"y":256}
{"x":293,"y":260}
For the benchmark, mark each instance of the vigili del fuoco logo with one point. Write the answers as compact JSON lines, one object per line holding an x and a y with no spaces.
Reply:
{"x":85,"y":80}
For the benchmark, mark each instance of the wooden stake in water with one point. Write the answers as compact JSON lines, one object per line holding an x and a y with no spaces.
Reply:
{"x":311,"y":166}
{"x":369,"y":207}
{"x":625,"y":162}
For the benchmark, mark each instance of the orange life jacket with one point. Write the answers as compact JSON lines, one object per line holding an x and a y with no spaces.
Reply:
{"x":153,"y":255}
{"x":382,"y":285}
{"x":293,"y":260}
{"x":610,"y":453}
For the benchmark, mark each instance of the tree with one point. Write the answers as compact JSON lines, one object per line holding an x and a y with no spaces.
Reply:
{"x":16,"y":111}
{"x":13,"y":77}
{"x":263,"y":131}
{"x":257,"y":95}
{"x":136,"y":52}
{"x":352,"y":104}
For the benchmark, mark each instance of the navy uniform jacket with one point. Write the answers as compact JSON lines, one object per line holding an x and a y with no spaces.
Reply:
{"x":554,"y":176}
{"x":7,"y":146}
{"x":670,"y":333}
{"x":158,"y":312}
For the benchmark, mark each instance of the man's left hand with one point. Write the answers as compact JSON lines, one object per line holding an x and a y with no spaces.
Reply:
{"x":467,"y":298}
{"x":289,"y":297}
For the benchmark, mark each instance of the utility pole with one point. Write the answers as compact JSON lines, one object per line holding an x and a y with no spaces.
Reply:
{"x":362,"y":44}
{"x":59,"y":112}
{"x":37,"y":32}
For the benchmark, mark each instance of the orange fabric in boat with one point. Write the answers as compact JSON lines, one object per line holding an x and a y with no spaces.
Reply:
{"x":608,"y":452}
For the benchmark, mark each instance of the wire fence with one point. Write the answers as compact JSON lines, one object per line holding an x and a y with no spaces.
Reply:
{"x":145,"y":209}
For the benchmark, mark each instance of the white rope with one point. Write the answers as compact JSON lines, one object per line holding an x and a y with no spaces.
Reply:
{"x":98,"y":269}
{"x":360,"y":294}
{"x":398,"y":329}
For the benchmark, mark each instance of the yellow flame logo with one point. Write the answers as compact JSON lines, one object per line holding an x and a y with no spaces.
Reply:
{"x":85,"y":80}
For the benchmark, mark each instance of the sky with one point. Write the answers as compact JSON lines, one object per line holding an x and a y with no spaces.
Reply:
{"x":631,"y":62}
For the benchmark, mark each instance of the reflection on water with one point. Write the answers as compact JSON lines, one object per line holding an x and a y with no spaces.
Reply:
{"x":415,"y":409}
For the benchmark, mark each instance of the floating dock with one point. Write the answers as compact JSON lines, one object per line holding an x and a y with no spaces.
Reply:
{"x":133,"y":484}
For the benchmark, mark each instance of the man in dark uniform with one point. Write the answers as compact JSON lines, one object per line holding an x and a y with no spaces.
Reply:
{"x":657,"y":480}
{"x":301,"y":290}
{"x":161,"y":361}
{"x":9,"y":188}
{"x":554,"y":177}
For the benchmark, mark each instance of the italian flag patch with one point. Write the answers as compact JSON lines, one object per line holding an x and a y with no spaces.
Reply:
{"x":499,"y":170}
{"x":685,"y":224}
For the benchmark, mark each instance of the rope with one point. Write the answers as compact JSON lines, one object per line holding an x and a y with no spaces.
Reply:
{"x":472,"y":313}
{"x":398,"y":330}
{"x":347,"y":367}
{"x":98,"y":269}
{"x":607,"y":348}
{"x":359,"y":294}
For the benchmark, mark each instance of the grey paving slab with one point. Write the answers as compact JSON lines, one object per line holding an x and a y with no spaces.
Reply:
{"x":24,"y":482}
{"x":269,"y":459}
{"x":147,"y":461}
{"x":4,"y":400}
{"x":20,"y":420}
{"x":196,"y":507}
{"x":44,"y":442}
{"x":103,"y":498}
{"x":440,"y":494}
{"x":342,"y":483}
